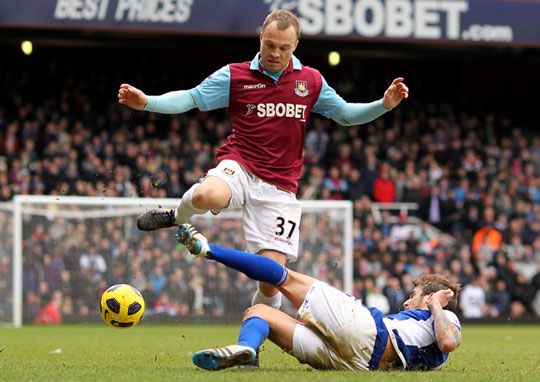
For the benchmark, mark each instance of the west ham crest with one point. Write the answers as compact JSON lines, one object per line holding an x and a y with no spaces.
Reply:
{"x":301,"y":89}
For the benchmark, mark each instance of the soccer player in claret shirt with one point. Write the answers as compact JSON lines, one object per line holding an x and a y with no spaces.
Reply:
{"x":334,"y":331}
{"x":270,"y":99}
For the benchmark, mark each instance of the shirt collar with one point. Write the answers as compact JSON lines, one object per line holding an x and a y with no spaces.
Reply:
{"x":255,"y":65}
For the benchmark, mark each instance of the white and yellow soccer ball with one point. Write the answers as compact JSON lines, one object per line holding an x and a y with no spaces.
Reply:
{"x":122,"y":306}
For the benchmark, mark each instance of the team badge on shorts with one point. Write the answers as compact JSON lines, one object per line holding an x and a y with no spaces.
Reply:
{"x":228,"y":171}
{"x":301,"y":89}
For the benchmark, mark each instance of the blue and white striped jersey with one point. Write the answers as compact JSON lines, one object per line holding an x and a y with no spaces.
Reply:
{"x":412,"y":333}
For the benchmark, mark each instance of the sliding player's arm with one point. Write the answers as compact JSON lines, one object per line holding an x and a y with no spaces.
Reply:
{"x":212,"y":93}
{"x":331,"y":105}
{"x":447,"y":332}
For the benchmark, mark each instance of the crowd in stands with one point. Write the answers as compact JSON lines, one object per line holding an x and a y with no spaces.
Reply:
{"x":474,"y":177}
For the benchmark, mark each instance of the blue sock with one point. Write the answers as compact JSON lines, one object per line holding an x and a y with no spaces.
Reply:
{"x":255,"y":267}
{"x":253,"y":332}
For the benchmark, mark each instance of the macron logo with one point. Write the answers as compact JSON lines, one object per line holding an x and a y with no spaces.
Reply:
{"x":255,"y":86}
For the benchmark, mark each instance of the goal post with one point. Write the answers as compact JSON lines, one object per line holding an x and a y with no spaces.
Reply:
{"x":7,"y":271}
{"x":52,"y":233}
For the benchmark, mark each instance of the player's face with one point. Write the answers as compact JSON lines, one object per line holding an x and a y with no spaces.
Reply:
{"x":277,"y":47}
{"x":416,"y":300}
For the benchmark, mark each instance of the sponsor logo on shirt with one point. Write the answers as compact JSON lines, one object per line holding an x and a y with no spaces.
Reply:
{"x":289,"y":110}
{"x":250,"y":108}
{"x":301,"y":88}
{"x":228,"y":171}
{"x":254,"y":86}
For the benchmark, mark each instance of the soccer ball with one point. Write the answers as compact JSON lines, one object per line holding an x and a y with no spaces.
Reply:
{"x":122,"y":306}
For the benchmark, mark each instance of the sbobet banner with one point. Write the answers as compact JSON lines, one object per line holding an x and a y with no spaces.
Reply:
{"x":467,"y":21}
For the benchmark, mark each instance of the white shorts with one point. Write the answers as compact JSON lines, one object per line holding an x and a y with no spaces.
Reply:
{"x":271,"y":215}
{"x":337,"y":332}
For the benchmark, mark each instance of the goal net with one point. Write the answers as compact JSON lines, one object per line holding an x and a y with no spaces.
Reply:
{"x":76,"y":247}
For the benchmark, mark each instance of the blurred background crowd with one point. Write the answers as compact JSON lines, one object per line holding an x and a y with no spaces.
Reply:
{"x":474,"y":176}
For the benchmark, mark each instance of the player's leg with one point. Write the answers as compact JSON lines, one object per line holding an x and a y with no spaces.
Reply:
{"x":221,"y":188}
{"x":266,"y":293}
{"x":281,"y":327}
{"x":293,"y":284}
{"x":271,"y":221}
{"x":260,"y":322}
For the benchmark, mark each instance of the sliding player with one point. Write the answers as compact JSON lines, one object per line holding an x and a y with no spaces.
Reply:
{"x":334,"y":330}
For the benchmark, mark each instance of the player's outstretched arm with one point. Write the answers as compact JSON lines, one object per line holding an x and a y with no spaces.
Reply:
{"x":447,"y":334}
{"x":175,"y":102}
{"x":131,"y":96}
{"x":331,"y":105}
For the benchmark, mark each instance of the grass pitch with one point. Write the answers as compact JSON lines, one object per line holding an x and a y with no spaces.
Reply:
{"x":163,"y":353}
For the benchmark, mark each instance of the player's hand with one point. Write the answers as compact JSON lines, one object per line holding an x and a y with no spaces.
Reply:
{"x":132,"y":97}
{"x":396,"y":92}
{"x":443,"y":297}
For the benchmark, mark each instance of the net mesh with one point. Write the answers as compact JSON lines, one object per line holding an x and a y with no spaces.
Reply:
{"x":80,"y":250}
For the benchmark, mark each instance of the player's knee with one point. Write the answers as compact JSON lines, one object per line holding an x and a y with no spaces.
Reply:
{"x":207,"y":198}
{"x":259,"y":310}
{"x":201,"y":198}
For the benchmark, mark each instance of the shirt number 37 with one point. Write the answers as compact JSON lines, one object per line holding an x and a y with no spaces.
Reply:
{"x":285,"y":227}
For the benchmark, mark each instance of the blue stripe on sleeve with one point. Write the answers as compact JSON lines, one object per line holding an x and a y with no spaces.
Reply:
{"x":213,"y":92}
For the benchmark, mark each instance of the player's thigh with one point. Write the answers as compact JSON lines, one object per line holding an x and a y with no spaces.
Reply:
{"x":271,"y":219}
{"x":331,"y":307}
{"x":308,"y":347}
{"x":224,"y":186}
{"x":281,"y":325}
{"x":212,"y":193}
{"x":343,"y":322}
{"x":296,"y":287}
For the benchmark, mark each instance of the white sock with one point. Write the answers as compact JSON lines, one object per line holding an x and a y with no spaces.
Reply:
{"x":185,"y":208}
{"x":260,"y":298}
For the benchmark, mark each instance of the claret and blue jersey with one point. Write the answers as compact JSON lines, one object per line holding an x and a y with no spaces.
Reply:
{"x":269,"y":113}
{"x":213,"y":93}
{"x":412,"y":333}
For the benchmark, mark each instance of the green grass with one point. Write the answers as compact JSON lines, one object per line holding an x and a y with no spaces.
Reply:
{"x":163,"y":353}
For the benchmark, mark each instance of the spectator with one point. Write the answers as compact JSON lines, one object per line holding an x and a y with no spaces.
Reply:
{"x":395,"y":294}
{"x":316,"y":142}
{"x":487,"y":238}
{"x":433,"y":208}
{"x":157,"y":280}
{"x":499,"y":299}
{"x":336,"y":186}
{"x":375,"y":298}
{"x":51,"y":313}
{"x":94,"y":264}
{"x":384,"y":190}
{"x":357,"y":188}
{"x":473,"y":300}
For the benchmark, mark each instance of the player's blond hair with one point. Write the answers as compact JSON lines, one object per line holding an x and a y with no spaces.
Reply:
{"x":435,"y":282}
{"x":284,"y":20}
